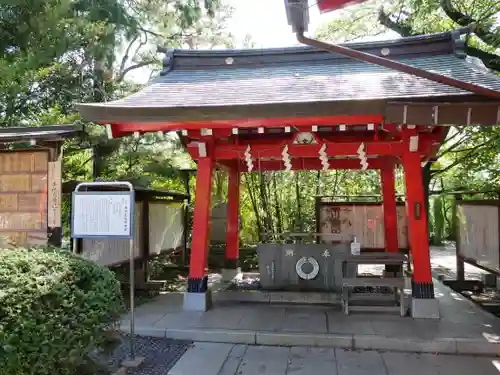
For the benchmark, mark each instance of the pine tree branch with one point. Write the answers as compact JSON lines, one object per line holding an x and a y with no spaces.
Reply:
{"x":472,"y":151}
{"x":133,"y":67}
{"x":453,"y":146}
{"x":127,"y":53}
{"x":385,"y":20}
{"x":490,"y":60}
{"x":483,"y":33}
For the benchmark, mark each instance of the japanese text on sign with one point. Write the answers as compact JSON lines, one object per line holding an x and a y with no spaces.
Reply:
{"x":102,"y":214}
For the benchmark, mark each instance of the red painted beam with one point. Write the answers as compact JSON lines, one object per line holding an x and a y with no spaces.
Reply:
{"x":330,"y":5}
{"x":285,"y":138}
{"x":312,"y":164}
{"x":120,"y":129}
{"x":274,"y":151}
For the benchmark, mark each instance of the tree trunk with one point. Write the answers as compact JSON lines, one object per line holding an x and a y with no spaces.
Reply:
{"x":98,"y":97}
{"x":254,"y":205}
{"x":96,"y":163}
{"x":426,"y":180}
{"x":318,"y":184}
{"x":265,"y":204}
{"x":298,"y":221}
{"x":279,"y":223}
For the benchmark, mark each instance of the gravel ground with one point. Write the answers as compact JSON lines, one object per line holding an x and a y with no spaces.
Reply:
{"x":160,"y":355}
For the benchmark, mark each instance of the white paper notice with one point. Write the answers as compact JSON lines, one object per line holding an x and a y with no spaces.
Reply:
{"x":102,"y":214}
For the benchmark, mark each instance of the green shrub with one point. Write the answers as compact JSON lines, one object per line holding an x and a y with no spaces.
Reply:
{"x":54,"y":308}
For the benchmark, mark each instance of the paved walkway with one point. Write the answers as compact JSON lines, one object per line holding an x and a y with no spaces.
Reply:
{"x":227,"y":359}
{"x":463,"y":329}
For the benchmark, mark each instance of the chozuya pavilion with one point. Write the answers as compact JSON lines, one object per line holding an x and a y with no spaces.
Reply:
{"x":302,"y":108}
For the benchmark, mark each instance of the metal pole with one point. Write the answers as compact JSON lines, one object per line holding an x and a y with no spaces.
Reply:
{"x":132,"y":298}
{"x":131,"y":260}
{"x":75,"y":244}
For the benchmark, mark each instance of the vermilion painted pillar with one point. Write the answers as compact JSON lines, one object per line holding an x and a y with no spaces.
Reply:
{"x":232,"y":220}
{"x":390,"y":213}
{"x":197,"y":282}
{"x":422,"y":287}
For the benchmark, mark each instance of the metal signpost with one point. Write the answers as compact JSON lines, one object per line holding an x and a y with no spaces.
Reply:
{"x":107,"y":214}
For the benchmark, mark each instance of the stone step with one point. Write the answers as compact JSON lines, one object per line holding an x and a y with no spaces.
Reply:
{"x":204,"y":358}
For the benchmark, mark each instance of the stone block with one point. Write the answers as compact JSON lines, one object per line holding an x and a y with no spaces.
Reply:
{"x":38,"y":183}
{"x":407,"y":344}
{"x":144,"y":331}
{"x":304,"y":339}
{"x":31,"y":202}
{"x":40,"y":161}
{"x":278,"y":266}
{"x":477,"y":347}
{"x":241,"y":296}
{"x":304,"y":297}
{"x":8,"y":202}
{"x":212,"y":335}
{"x":423,"y":308}
{"x":197,"y":301}
{"x":202,"y":358}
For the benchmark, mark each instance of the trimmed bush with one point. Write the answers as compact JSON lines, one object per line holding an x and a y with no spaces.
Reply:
{"x":54,"y":309}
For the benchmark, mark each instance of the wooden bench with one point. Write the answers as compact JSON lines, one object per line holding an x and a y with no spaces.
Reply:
{"x":396,"y":283}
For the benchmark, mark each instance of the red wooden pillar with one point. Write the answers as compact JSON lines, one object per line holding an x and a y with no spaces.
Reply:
{"x":197,"y":282}
{"x":422,"y":287}
{"x":232,"y":219}
{"x":390,"y":213}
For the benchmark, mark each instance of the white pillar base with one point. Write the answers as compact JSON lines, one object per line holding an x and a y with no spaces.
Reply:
{"x":197,"y":301}
{"x":425,"y":308}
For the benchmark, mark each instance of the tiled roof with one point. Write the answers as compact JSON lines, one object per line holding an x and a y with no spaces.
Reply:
{"x":45,"y":133}
{"x":311,"y":82}
{"x":198,"y":79}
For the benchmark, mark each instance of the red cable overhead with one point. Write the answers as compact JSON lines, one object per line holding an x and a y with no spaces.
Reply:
{"x":331,"y":5}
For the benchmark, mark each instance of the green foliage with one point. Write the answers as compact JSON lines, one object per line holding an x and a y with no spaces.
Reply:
{"x":453,"y":226}
{"x":279,"y":202}
{"x":54,"y":308}
{"x":468,"y":159}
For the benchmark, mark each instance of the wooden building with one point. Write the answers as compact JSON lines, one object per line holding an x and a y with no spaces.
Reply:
{"x":305,"y":108}
{"x":30,"y":184}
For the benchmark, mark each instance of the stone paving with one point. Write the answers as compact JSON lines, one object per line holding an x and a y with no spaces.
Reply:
{"x":298,"y":339}
{"x":228,"y":359}
{"x":463,"y":328}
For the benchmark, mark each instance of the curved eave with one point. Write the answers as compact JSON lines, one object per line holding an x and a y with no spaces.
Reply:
{"x":244,"y":115}
{"x":449,"y":111}
{"x":104,"y":113}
